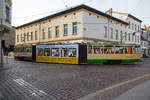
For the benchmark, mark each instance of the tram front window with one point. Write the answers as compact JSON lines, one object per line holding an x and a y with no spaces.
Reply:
{"x":40,"y":51}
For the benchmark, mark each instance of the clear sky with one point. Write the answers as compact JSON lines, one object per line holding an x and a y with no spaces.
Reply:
{"x":28,"y":10}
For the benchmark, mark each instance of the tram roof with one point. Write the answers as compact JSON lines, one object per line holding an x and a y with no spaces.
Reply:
{"x":95,"y":44}
{"x":110,"y":45}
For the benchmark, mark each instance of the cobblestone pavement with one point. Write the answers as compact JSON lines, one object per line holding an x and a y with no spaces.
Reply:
{"x":40,"y":81}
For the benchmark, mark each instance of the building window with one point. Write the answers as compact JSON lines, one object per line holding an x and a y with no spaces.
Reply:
{"x":135,"y":38}
{"x":27,"y":36}
{"x":43,"y":34}
{"x":31,"y":36}
{"x":125,"y":26}
{"x":57,"y":31}
{"x":125,"y":36}
{"x":24,"y":38}
{"x":116,"y":34}
{"x":129,"y":37}
{"x":121,"y":36}
{"x":21,"y":38}
{"x":138,"y":28}
{"x":7,"y":13}
{"x":49,"y":32}
{"x":135,"y":27}
{"x":138,"y":39}
{"x":105,"y":31}
{"x":36,"y":35}
{"x":17,"y":38}
{"x":132,"y":38}
{"x":75,"y":28}
{"x":65,"y":29}
{"x":129,"y":25}
{"x":112,"y":33}
{"x":132,"y":26}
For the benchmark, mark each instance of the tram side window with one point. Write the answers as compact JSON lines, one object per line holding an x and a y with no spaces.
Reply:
{"x":113,"y":50}
{"x":68,"y":52}
{"x":133,"y":50}
{"x":15,"y":49}
{"x":96,"y":50}
{"x":19,"y":49}
{"x":28,"y":50}
{"x":55,"y":52}
{"x":72,"y":52}
{"x":105,"y":50}
{"x":108,"y":50}
{"x":119,"y":50}
{"x":125,"y":51}
{"x":101,"y":50}
{"x":129,"y":50}
{"x":40,"y":51}
{"x":90,"y":49}
{"x":64,"y":52}
{"x":47,"y":52}
{"x":23,"y":49}
{"x":137,"y":50}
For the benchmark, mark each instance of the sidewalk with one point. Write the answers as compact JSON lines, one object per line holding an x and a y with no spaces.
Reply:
{"x":140,"y":92}
{"x":1,"y":96}
{"x":3,"y":68}
{"x":5,"y":63}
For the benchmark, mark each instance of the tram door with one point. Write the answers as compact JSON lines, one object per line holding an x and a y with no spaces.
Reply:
{"x":34,"y":53}
{"x":82,"y":53}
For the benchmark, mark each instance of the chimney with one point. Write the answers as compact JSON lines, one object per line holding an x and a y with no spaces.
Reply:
{"x":110,"y":11}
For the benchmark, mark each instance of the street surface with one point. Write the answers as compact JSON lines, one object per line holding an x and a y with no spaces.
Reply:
{"x":21,"y":80}
{"x":140,"y":92}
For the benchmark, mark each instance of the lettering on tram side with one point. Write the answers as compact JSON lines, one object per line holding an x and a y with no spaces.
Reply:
{"x":69,"y":60}
{"x":132,"y":56}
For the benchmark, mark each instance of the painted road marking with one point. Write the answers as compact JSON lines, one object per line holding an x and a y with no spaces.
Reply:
{"x":87,"y":97}
{"x":32,"y":89}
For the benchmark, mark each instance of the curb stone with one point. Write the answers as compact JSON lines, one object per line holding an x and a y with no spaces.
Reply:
{"x":1,"y":69}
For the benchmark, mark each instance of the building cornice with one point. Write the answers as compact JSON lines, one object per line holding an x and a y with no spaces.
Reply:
{"x":71,"y":39}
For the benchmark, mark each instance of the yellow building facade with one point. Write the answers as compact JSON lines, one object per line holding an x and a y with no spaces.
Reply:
{"x":71,"y":25}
